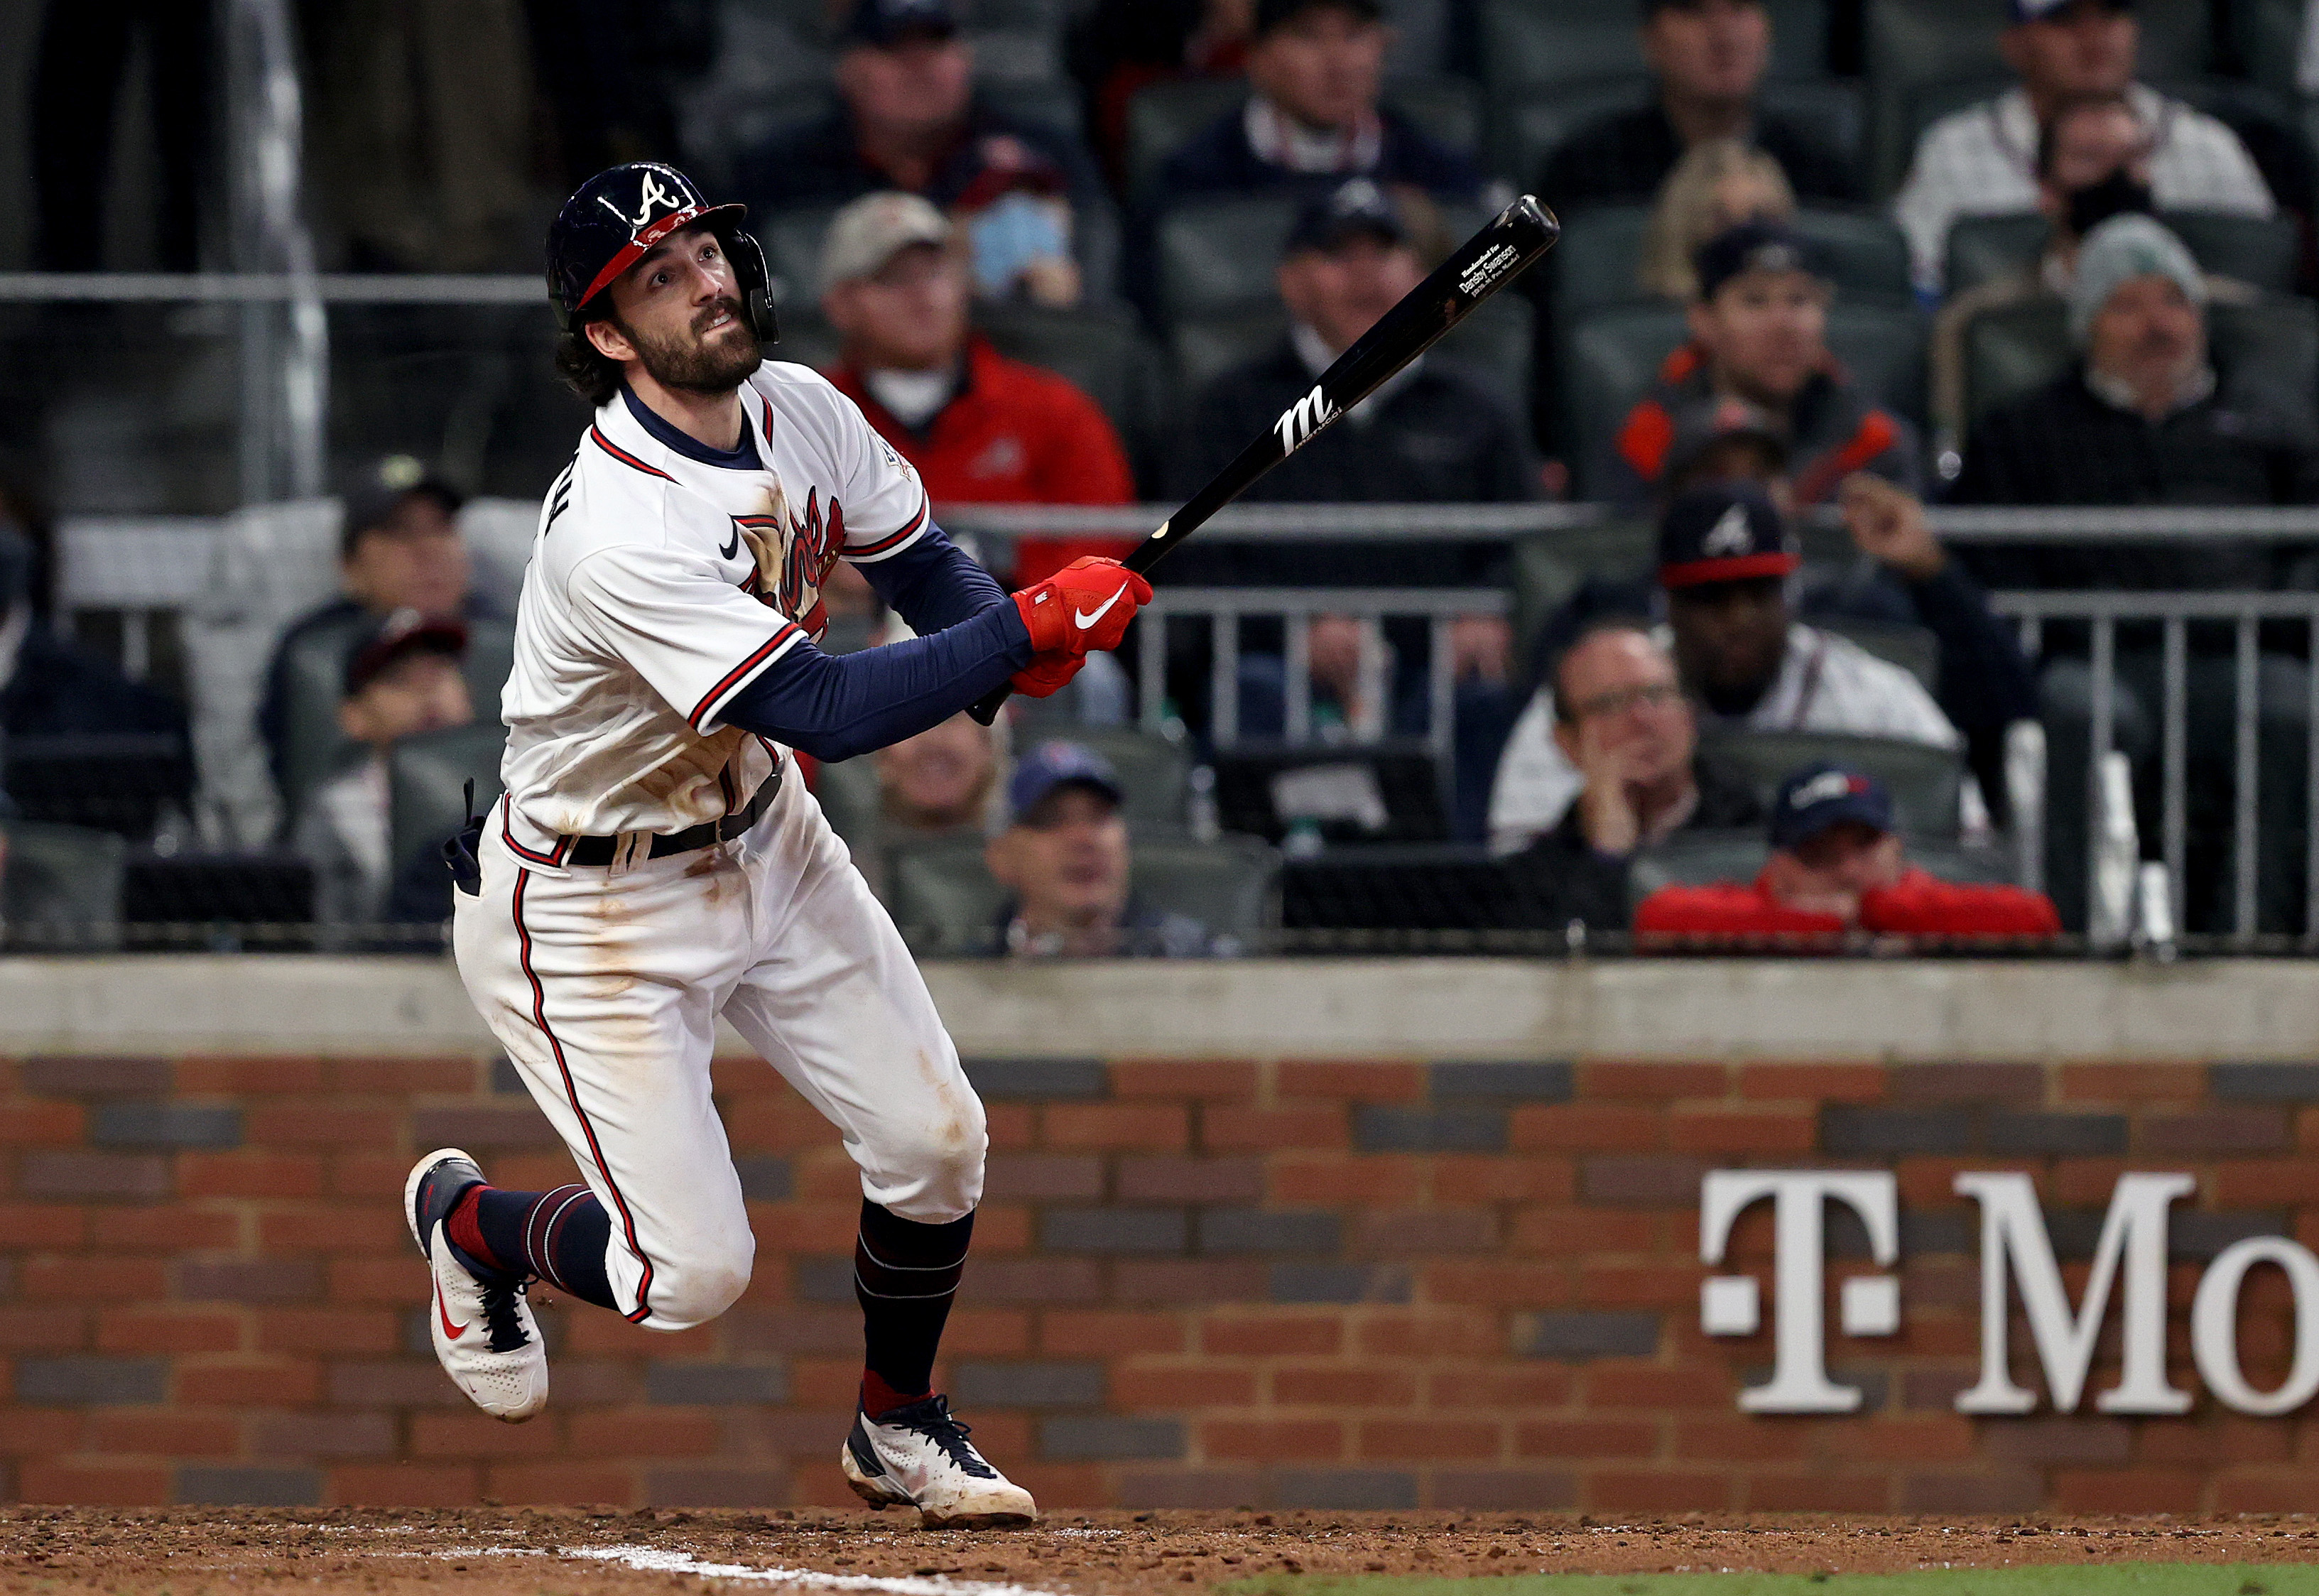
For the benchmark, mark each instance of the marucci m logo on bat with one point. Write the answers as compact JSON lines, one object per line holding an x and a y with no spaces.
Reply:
{"x":1302,"y":419}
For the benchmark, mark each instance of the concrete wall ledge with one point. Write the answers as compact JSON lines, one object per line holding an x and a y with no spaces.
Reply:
{"x":1336,"y":1008}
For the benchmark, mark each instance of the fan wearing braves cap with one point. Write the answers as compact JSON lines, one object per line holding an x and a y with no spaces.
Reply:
{"x":1838,"y":865}
{"x":1726,"y":558}
{"x":655,"y":864}
{"x":1759,"y":333}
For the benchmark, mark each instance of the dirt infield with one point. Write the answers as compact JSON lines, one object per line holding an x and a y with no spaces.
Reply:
{"x":605,"y":1552}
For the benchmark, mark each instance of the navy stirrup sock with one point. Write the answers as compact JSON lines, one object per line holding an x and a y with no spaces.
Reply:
{"x":904,"y":1276}
{"x":559,"y":1236}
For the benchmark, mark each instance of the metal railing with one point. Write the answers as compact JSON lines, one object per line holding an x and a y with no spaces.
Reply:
{"x":2173,"y":614}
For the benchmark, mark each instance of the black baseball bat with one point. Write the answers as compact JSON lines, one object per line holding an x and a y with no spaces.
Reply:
{"x":1507,"y":246}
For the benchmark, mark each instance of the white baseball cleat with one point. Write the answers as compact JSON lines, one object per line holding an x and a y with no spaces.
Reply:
{"x":484,"y":1335}
{"x":919,"y":1456}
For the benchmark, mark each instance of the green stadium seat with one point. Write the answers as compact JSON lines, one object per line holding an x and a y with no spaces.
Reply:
{"x":1914,"y":649}
{"x":1219,"y":254}
{"x":426,"y":784}
{"x":1528,"y":42}
{"x":1925,"y":782}
{"x":1981,"y":249}
{"x":1104,"y":352}
{"x":792,"y":241}
{"x":1611,"y":359}
{"x":65,"y":879}
{"x":1595,"y":262}
{"x":946,"y":905}
{"x":1493,"y":343}
{"x":1153,"y":772}
{"x":1528,"y":122}
{"x":2268,"y":36}
{"x":1163,"y":116}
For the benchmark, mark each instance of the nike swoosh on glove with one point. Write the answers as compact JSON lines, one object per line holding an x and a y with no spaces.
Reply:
{"x":1087,"y":605}
{"x":1047,"y":675}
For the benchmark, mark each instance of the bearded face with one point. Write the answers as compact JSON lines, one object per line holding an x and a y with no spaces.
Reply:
{"x":713,"y":353}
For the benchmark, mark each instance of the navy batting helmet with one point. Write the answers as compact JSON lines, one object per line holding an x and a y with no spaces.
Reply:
{"x":611,"y":219}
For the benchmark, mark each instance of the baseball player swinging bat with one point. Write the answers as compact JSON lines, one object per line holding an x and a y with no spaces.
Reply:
{"x":1508,"y":246}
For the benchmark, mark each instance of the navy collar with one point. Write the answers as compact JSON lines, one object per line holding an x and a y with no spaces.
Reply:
{"x":743,"y":459}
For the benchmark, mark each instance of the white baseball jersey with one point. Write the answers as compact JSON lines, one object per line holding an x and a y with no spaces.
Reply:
{"x":662,"y":580}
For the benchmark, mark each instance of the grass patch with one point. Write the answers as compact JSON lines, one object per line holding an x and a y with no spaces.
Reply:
{"x":2129,"y":1579}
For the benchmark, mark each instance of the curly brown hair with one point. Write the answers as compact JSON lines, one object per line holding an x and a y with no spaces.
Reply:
{"x":586,"y":370}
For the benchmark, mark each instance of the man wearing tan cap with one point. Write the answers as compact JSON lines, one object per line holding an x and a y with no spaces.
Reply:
{"x":978,"y":427}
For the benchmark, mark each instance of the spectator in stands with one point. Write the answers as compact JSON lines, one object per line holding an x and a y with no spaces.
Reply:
{"x":1433,"y":435}
{"x":939,"y":783}
{"x":1315,"y":69}
{"x":1838,"y":867}
{"x":1981,"y":161}
{"x":979,"y":428}
{"x":1063,"y":857}
{"x":1709,"y":58}
{"x":1725,"y":558}
{"x":1759,"y":333}
{"x":1621,"y":721}
{"x":2145,"y":417}
{"x":402,"y":679}
{"x":2093,"y":163}
{"x":1713,"y":188}
{"x":911,"y":122}
{"x":1118,"y":48}
{"x":51,"y":686}
{"x":399,"y":548}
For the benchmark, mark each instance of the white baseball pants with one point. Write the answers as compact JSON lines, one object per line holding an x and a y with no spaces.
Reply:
{"x":605,"y":989}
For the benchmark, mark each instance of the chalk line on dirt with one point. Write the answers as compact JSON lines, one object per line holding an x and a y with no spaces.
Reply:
{"x":654,"y":1560}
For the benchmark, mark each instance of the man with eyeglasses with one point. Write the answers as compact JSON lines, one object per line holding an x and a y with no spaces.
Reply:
{"x":1620,"y":718}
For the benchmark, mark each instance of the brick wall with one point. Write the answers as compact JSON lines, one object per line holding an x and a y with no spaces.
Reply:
{"x":1355,"y":1284}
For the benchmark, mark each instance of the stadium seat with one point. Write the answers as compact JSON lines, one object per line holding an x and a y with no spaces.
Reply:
{"x":1528,"y":42}
{"x":2263,"y":251}
{"x":1163,"y":116}
{"x":792,"y":241}
{"x":426,"y":782}
{"x":1219,"y":254}
{"x":1981,"y":249}
{"x":1104,"y":352}
{"x":1494,"y":344}
{"x":1701,"y":858}
{"x":1529,"y":123}
{"x":1595,"y":265}
{"x":946,"y":905}
{"x":2009,"y":352}
{"x":1153,"y":773}
{"x":1925,"y":782}
{"x":67,"y":877}
{"x":2267,"y":35}
{"x":1914,"y":649}
{"x":1612,"y":357}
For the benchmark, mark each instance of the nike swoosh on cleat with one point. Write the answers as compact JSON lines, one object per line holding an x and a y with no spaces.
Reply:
{"x":452,"y":1330}
{"x":732,"y":548}
{"x":1085,"y":620}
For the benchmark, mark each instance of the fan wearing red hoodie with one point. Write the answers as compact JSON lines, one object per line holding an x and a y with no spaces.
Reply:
{"x":1837,"y":866}
{"x":979,"y":428}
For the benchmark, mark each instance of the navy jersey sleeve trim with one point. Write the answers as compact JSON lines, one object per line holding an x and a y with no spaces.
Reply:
{"x":834,"y":707}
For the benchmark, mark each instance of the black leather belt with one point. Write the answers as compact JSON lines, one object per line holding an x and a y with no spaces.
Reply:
{"x":600,"y":852}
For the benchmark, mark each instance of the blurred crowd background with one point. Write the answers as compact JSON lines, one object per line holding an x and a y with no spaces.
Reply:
{"x":1679,"y":624}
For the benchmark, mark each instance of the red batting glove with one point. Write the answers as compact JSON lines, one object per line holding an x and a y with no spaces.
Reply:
{"x":1084,"y":606}
{"x":1047,"y":675}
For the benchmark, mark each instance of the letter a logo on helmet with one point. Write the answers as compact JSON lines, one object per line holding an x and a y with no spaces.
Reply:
{"x":612,"y":221}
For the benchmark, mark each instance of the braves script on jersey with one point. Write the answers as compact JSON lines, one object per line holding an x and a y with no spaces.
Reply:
{"x":662,"y":584}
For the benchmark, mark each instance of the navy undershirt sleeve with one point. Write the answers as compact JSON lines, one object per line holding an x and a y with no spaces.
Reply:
{"x":834,"y":707}
{"x":932,"y":584}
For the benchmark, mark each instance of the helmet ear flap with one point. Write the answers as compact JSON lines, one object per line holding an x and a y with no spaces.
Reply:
{"x":754,"y":280}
